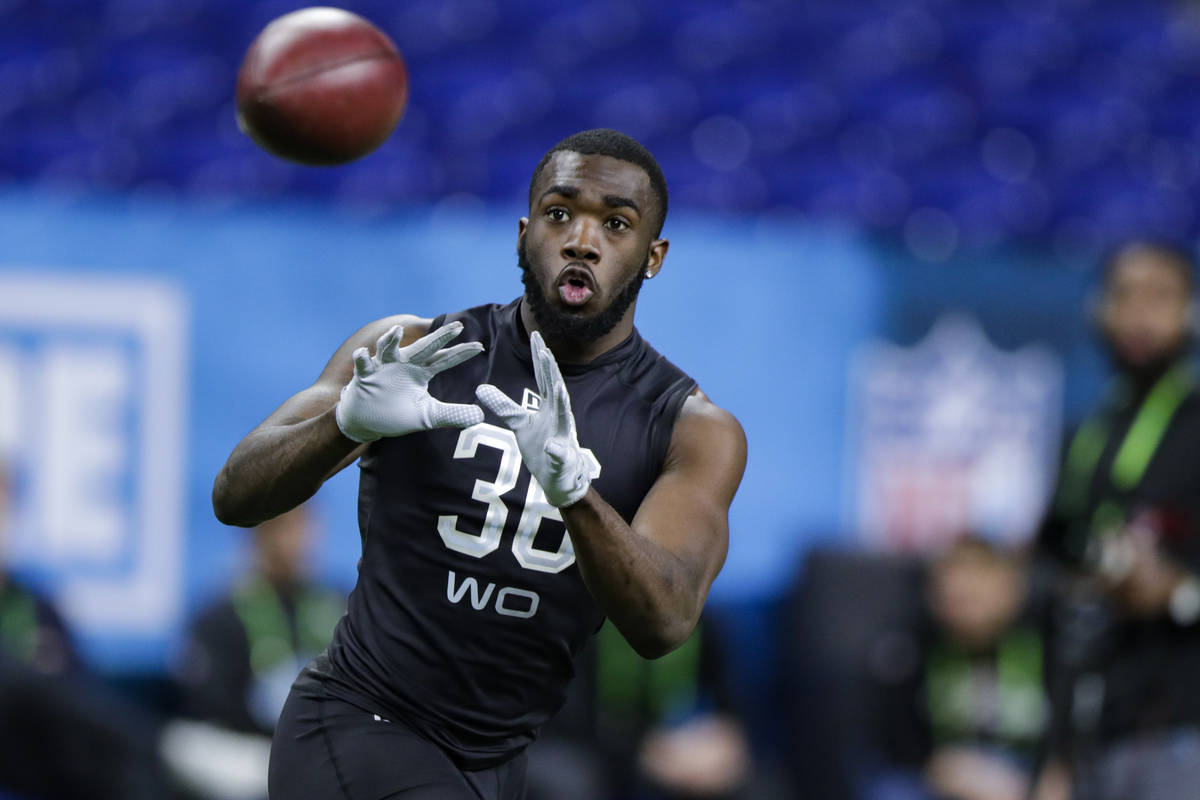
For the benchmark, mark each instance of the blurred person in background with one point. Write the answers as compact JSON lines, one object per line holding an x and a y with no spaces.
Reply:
{"x":241,"y":655}
{"x":1125,"y":534}
{"x":63,"y":734}
{"x":964,"y":718}
{"x":652,"y":730}
{"x":243,"y":651}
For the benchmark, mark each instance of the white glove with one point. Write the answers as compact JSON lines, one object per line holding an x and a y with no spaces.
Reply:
{"x":546,"y":437}
{"x":389,"y":393}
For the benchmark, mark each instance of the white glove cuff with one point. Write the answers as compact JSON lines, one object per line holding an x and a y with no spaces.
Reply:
{"x":576,"y":494}
{"x":348,"y":430}
{"x":582,"y":483}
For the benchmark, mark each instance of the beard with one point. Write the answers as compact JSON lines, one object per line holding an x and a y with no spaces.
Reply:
{"x":573,"y":329}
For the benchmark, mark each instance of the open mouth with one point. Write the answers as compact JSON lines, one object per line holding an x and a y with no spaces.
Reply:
{"x":576,"y":286}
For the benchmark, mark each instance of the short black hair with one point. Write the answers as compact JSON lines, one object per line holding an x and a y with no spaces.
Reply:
{"x":1175,"y":254}
{"x":608,"y":142}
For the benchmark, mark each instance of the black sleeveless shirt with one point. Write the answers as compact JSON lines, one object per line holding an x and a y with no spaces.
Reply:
{"x":469,"y":606}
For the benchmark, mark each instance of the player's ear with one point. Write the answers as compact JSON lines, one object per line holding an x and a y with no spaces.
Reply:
{"x":654,"y":260}
{"x":522,"y":225}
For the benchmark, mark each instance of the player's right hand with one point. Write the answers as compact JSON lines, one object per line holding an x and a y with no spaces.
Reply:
{"x":389,"y":393}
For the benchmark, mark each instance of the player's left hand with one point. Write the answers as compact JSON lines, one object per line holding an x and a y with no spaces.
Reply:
{"x":546,"y":437}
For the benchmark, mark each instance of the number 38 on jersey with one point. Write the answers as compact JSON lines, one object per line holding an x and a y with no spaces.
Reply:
{"x":491,"y":493}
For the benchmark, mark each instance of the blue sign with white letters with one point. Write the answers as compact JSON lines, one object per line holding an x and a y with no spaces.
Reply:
{"x":93,"y":375}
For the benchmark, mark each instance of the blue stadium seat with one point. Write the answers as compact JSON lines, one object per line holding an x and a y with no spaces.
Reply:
{"x":854,"y":111}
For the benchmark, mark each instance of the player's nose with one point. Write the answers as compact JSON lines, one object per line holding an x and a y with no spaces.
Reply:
{"x":582,"y":243}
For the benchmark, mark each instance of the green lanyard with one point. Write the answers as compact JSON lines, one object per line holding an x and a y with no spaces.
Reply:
{"x":628,"y":683}
{"x":18,"y":623}
{"x":951,"y":693}
{"x":1133,"y":456}
{"x":270,"y":636}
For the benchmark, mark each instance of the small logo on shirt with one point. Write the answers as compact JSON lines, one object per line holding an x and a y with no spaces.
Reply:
{"x":530,"y":401}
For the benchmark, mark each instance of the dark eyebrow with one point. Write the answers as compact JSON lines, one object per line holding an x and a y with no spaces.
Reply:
{"x":616,"y":201}
{"x":610,"y":200}
{"x":570,"y":192}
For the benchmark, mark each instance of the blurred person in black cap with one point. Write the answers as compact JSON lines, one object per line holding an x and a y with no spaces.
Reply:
{"x":63,"y":734}
{"x":959,"y":706}
{"x":1124,"y":530}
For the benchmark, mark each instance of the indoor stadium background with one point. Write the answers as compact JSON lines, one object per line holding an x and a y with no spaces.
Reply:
{"x":842,"y":175}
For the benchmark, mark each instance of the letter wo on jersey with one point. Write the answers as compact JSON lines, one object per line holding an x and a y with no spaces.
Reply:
{"x":510,"y":601}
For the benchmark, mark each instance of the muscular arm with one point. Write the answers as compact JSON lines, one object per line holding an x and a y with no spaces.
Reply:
{"x":283,"y":461}
{"x":652,"y":577}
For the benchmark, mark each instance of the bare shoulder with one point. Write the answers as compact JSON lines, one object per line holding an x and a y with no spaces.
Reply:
{"x":710,"y":441}
{"x":698,"y":408}
{"x":340,"y":367}
{"x":337,"y":372}
{"x":414,"y":328}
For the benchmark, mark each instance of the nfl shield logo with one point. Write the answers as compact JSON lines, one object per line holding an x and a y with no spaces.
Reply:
{"x":952,"y":435}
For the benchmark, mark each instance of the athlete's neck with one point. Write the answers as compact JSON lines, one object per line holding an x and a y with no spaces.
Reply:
{"x":573,"y":352}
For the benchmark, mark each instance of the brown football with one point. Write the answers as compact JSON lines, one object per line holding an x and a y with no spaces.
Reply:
{"x":321,"y":86}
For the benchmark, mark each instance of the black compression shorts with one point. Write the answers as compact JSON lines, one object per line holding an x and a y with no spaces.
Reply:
{"x":328,"y":749}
